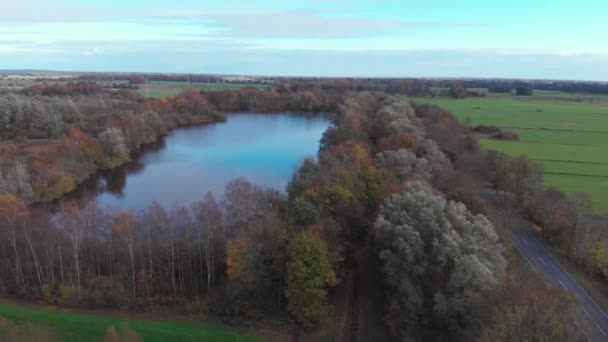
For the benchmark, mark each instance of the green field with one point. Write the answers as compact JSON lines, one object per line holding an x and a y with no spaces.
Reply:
{"x":160,"y":89}
{"x":569,"y":137}
{"x":155,"y":89}
{"x":76,"y":326}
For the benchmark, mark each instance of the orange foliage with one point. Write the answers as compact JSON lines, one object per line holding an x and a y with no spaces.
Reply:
{"x":11,"y":207}
{"x":354,"y":151}
{"x":397,"y":141}
{"x":234,"y":253}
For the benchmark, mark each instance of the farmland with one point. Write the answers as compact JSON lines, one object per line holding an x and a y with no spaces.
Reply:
{"x":160,"y":89}
{"x":567,"y":133}
{"x":76,"y":326}
{"x":155,"y":89}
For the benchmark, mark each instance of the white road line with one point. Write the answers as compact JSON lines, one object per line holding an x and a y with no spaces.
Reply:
{"x":543,"y":261}
{"x":525,"y":257}
{"x":564,"y":286}
{"x":602,"y":330}
{"x":586,"y":312}
{"x":571,"y":278}
{"x":524,"y":240}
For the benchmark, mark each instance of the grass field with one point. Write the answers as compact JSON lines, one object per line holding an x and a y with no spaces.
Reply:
{"x":160,"y":89}
{"x":155,"y":89}
{"x":569,"y":137}
{"x":76,"y":326}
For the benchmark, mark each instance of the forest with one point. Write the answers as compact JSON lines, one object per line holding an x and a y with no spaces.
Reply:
{"x":399,"y":192}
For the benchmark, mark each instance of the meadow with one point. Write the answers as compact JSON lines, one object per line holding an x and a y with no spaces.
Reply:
{"x":569,"y":136}
{"x":155,"y":89}
{"x":160,"y":89}
{"x":77,"y":326}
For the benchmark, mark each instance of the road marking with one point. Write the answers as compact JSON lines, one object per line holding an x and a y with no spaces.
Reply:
{"x":525,"y":257}
{"x":543,"y":261}
{"x":574,"y":281}
{"x":564,"y":286}
{"x":602,"y":330}
{"x":586,"y":312}
{"x":524,"y":240}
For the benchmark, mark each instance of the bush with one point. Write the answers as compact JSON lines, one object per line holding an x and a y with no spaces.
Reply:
{"x":50,"y":293}
{"x":68,"y":295}
{"x":198,"y":308}
{"x":105,"y":292}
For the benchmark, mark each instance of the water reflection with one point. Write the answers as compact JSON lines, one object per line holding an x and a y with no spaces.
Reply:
{"x":183,"y":166}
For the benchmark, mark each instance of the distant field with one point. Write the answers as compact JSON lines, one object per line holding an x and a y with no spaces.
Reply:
{"x":156,"y":89}
{"x":75,"y":326}
{"x":569,"y":137}
{"x":160,"y":89}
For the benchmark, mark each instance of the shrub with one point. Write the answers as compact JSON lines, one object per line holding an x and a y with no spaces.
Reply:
{"x":197,"y":308}
{"x":105,"y":292}
{"x":68,"y":295}
{"x":50,"y":293}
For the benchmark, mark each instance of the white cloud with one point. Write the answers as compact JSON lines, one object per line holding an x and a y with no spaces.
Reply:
{"x":92,"y":52}
{"x":185,"y":14}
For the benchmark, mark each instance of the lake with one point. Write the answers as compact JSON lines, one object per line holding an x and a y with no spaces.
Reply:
{"x":183,"y":166}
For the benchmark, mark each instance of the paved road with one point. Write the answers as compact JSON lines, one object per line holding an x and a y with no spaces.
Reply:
{"x":592,"y":319}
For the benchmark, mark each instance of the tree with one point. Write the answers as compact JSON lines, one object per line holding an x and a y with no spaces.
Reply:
{"x":208,"y":218}
{"x":439,"y":261}
{"x":524,"y":90}
{"x":309,"y":274}
{"x":76,"y":223}
{"x":12,"y":211}
{"x":457,"y":90}
{"x":527,"y":309}
{"x":404,"y":164}
{"x":124,"y":226}
{"x":113,"y":145}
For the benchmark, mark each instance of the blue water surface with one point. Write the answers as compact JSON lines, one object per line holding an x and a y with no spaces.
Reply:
{"x":263,"y":148}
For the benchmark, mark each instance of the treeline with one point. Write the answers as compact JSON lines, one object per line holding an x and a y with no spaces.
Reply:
{"x":61,"y":134}
{"x":139,"y":78}
{"x":58,"y":141}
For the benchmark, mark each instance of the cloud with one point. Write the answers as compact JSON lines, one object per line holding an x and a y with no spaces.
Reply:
{"x":303,"y":24}
{"x":182,"y":13}
{"x":92,"y":52}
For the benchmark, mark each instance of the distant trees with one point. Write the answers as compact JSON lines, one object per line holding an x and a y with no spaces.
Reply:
{"x":457,"y":90}
{"x":524,"y":90}
{"x":439,"y":261}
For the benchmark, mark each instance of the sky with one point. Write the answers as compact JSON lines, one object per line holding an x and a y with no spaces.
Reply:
{"x":540,"y":39}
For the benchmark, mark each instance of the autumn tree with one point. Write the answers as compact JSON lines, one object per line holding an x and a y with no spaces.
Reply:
{"x":527,"y":309}
{"x":309,"y":275}
{"x":124,"y":227}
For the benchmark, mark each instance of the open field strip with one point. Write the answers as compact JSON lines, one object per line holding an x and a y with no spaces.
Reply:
{"x":78,"y":326}
{"x":570,"y":138}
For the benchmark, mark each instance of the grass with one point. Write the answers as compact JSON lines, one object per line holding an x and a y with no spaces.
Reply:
{"x":78,"y":326}
{"x":155,"y":89}
{"x":569,"y":137}
{"x":160,"y":89}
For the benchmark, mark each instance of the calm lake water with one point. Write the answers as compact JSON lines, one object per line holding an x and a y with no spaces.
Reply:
{"x":263,"y":148}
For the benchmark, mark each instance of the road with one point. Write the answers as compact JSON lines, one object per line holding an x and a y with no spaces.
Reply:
{"x":592,"y":319}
